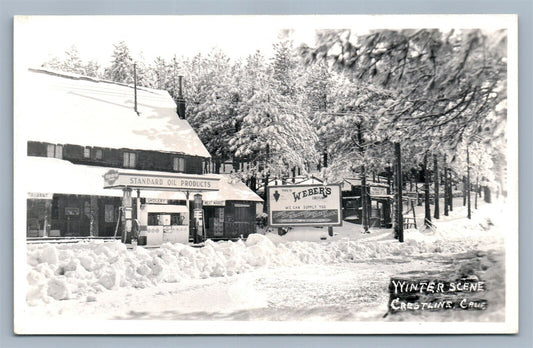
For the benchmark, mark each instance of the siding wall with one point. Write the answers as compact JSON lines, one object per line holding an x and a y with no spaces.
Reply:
{"x":146,"y":160}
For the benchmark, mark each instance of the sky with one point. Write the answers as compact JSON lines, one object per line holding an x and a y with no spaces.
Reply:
{"x":39,"y":38}
{"x":148,"y":36}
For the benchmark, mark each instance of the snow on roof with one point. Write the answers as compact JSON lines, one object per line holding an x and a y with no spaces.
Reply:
{"x":231,"y":190}
{"x":51,"y":175}
{"x":298,"y":180}
{"x":311,"y":181}
{"x":64,"y":108}
{"x":357,"y":182}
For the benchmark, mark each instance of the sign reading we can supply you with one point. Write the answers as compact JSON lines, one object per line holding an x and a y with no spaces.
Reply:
{"x":305,"y":205}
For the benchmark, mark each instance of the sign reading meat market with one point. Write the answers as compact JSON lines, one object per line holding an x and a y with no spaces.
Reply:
{"x":305,"y":205}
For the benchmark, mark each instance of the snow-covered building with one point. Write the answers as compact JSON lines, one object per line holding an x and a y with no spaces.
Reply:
{"x":78,"y":128}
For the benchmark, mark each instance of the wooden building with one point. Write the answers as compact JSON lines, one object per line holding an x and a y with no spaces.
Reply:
{"x":379,"y":203}
{"x":76,"y":128}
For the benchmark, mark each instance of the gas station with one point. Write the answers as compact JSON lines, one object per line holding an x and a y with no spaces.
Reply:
{"x":151,"y":224}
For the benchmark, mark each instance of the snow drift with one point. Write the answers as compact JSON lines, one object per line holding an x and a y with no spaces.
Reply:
{"x":81,"y":270}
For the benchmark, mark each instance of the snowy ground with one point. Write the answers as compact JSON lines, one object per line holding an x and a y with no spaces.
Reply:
{"x":268,"y":277}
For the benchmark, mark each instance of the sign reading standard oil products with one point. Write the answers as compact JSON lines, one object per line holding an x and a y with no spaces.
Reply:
{"x":137,"y":180}
{"x":305,"y":205}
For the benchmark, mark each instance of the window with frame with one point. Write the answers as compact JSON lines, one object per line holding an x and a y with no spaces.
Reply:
{"x":55,"y":151}
{"x":178,"y":164}
{"x":109,"y":213}
{"x":98,"y":154}
{"x":87,"y":152}
{"x":129,"y":159}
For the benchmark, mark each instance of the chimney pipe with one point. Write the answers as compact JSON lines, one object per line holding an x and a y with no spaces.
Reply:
{"x":180,"y":101}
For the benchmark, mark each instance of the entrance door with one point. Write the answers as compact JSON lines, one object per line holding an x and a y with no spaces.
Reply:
{"x":72,"y":215}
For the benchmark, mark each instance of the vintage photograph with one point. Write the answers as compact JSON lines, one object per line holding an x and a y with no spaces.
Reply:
{"x":265,"y":174}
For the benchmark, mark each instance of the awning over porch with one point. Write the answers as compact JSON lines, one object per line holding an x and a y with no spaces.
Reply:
{"x":44,"y":176}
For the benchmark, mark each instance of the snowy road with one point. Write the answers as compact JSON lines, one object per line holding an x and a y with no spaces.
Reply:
{"x":353,"y":292}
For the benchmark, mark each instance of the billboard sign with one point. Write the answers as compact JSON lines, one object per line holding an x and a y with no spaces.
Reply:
{"x":305,"y":205}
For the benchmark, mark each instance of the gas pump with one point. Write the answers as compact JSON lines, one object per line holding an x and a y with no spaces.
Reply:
{"x":198,"y":215}
{"x":127,"y":215}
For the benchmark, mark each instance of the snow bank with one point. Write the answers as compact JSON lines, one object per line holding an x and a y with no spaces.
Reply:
{"x":81,"y":270}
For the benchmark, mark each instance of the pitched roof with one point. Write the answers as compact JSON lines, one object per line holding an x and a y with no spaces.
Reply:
{"x":64,"y":108}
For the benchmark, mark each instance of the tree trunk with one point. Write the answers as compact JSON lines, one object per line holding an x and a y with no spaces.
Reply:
{"x":253,"y":183}
{"x":398,"y":154}
{"x":464,"y":191}
{"x":267,"y":176}
{"x":414,"y":214}
{"x":364,"y":206}
{"x":265,"y":186}
{"x":293,"y":174}
{"x":469,"y":215}
{"x":364,"y":216}
{"x":486,"y":196}
{"x":451,"y":191}
{"x":446,"y":191}
{"x":389,"y":190}
{"x":436,"y":180}
{"x":427,"y":208}
{"x":418,"y":200}
{"x":394,"y":201}
{"x":477,"y":190}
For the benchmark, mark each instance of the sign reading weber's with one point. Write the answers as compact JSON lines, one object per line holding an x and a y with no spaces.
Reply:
{"x":194,"y":183}
{"x":305,"y":205}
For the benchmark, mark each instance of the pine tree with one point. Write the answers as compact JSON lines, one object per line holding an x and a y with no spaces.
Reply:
{"x":92,"y":68}
{"x":72,"y":62}
{"x":121,"y":69}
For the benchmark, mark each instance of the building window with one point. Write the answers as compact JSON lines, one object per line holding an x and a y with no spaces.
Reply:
{"x":109,"y":213}
{"x":87,"y":152}
{"x":54,"y":151}
{"x":178,"y":164}
{"x":129,"y":159}
{"x":98,"y":154}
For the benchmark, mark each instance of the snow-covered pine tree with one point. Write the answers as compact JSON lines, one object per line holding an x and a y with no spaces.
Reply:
{"x":211,"y":103}
{"x":92,"y":68}
{"x":276,"y":133}
{"x":72,"y":62}
{"x":121,"y":68}
{"x":160,"y":72}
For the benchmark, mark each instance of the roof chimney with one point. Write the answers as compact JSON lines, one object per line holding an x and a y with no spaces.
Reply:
{"x":180,"y":101}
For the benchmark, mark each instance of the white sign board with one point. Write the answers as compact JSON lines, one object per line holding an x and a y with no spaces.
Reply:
{"x":305,"y":205}
{"x":378,"y":191}
{"x":195,"y":183}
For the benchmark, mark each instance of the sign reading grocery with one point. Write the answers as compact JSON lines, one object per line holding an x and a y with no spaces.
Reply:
{"x":305,"y":205}
{"x":40,"y":195}
{"x":193,"y":183}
